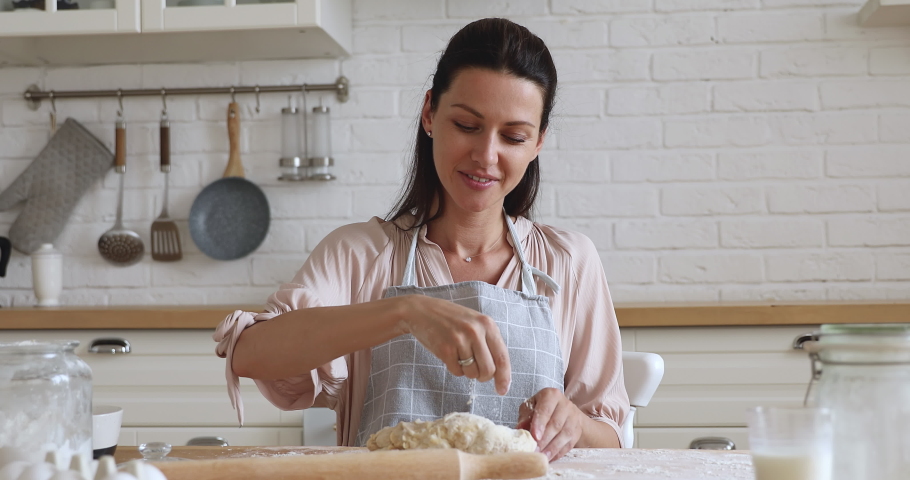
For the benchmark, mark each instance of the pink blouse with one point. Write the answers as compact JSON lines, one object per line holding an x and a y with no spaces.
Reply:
{"x":357,"y":263}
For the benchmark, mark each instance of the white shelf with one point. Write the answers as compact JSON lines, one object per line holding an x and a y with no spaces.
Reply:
{"x":885,"y":13}
{"x":229,"y":32}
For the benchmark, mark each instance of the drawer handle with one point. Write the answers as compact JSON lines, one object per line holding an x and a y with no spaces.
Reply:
{"x":110,"y":346}
{"x":801,"y":339}
{"x":712,"y":443}
{"x":208,"y":442}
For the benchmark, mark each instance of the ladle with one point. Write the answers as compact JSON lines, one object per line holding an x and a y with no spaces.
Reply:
{"x":118,"y":245}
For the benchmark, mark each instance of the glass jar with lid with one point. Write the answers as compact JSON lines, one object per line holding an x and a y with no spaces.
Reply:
{"x":45,"y":399}
{"x":863,"y":374}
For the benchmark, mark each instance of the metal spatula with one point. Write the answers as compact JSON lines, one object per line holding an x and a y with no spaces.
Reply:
{"x":165,"y":236}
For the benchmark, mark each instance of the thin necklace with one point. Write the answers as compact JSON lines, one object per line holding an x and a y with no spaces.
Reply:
{"x":468,"y":259}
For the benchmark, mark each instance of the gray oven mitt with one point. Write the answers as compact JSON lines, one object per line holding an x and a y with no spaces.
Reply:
{"x":52,"y":185}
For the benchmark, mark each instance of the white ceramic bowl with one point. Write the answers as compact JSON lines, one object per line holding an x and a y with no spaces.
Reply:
{"x":106,"y":420}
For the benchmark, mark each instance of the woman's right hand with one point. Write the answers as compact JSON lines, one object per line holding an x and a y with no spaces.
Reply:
{"x":453,"y":332}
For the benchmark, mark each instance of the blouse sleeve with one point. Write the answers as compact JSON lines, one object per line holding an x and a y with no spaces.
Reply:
{"x":331,"y":276}
{"x":594,"y":378}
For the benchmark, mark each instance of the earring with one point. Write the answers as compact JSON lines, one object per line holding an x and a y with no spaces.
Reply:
{"x":429,"y":134}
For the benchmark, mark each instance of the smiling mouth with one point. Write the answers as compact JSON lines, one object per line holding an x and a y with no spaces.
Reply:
{"x":479,"y":179}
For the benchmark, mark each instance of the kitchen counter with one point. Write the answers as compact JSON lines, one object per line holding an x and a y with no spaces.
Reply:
{"x":647,"y":315}
{"x":580,"y":463}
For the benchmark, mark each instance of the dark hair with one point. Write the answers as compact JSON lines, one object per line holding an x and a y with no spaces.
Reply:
{"x":495,"y":44}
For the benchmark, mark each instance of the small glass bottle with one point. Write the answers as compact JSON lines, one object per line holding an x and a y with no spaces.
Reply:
{"x":320,"y":145}
{"x":292,"y":167}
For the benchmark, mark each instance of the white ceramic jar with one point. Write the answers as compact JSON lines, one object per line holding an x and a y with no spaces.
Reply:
{"x":47,"y":275}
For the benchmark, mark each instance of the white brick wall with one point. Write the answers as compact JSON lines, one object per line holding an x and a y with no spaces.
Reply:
{"x":713,"y":150}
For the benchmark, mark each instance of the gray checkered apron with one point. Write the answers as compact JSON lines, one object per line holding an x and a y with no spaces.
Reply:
{"x":408,"y":383}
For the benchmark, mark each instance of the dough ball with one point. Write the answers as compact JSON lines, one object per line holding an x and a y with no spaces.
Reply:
{"x":464,"y":431}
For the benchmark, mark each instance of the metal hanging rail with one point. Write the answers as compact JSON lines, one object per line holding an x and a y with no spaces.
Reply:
{"x":34,"y":95}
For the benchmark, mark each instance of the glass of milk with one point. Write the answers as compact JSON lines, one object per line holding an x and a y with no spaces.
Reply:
{"x":791,"y":443}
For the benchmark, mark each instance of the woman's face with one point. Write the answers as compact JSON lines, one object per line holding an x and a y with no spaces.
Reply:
{"x":486,"y":130}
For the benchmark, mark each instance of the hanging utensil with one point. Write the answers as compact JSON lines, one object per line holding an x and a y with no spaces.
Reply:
{"x":230,"y":217}
{"x":5,"y":251}
{"x":165,"y":236}
{"x":119,"y":245}
{"x":53,"y":114}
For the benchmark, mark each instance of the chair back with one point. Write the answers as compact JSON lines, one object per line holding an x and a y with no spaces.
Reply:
{"x":642,"y":373}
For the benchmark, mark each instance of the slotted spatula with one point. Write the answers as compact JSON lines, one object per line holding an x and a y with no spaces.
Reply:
{"x":165,"y":236}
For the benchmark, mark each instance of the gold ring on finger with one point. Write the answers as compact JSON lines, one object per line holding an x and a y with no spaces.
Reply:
{"x":466,"y":362}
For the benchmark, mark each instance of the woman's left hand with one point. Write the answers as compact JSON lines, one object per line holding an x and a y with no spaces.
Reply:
{"x":553,"y":420}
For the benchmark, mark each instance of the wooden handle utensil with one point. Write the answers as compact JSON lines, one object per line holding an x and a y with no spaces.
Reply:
{"x":432,"y":464}
{"x":120,"y":146}
{"x":235,"y":166}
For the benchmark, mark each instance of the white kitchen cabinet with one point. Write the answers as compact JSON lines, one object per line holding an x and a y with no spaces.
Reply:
{"x":172,"y":388}
{"x":201,"y":15}
{"x":884,"y":13}
{"x":246,"y":436}
{"x":177,"y":31}
{"x":682,"y":437}
{"x":118,"y":16}
{"x":321,"y":427}
{"x":712,"y":376}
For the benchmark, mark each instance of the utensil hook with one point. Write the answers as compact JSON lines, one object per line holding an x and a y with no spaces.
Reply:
{"x":163,"y":104}
{"x":233,"y":100}
{"x":306,"y":139}
{"x":120,"y":102}
{"x":256,"y":89}
{"x":53,"y":111}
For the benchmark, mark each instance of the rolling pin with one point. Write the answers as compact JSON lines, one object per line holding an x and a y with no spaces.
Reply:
{"x":431,"y":464}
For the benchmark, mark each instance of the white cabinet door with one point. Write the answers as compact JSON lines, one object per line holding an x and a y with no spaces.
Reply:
{"x":319,"y":427}
{"x":714,"y":374}
{"x":682,"y":437}
{"x":206,"y":15}
{"x":92,"y":17}
{"x":171,"y":378}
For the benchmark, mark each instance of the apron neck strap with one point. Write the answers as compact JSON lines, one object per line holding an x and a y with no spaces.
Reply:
{"x":410,"y":270}
{"x":528,"y":285}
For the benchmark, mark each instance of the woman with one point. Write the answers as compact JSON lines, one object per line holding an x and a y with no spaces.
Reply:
{"x":410,"y":318}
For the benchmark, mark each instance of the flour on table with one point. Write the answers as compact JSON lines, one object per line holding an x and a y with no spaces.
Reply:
{"x":464,"y":431}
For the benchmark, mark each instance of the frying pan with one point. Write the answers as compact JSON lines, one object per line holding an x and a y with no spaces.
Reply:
{"x":229,"y":219}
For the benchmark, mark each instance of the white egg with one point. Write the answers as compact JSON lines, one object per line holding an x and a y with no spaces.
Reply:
{"x":13,"y":469}
{"x":11,"y":454}
{"x":53,"y":458}
{"x":106,"y":467}
{"x":67,"y":475}
{"x":38,"y":471}
{"x":120,"y":476}
{"x":82,"y":465}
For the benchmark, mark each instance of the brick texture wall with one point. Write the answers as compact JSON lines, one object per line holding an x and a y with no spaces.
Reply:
{"x":713,"y":150}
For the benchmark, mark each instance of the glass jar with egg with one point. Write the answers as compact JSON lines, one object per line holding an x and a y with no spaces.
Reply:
{"x":45,"y":399}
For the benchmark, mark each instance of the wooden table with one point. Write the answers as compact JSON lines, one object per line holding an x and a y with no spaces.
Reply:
{"x":581,"y":463}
